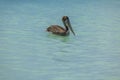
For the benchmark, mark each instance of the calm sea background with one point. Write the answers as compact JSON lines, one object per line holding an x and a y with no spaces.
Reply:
{"x":28,"y":52}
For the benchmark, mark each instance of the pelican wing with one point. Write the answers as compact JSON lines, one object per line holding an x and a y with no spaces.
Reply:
{"x":56,"y":29}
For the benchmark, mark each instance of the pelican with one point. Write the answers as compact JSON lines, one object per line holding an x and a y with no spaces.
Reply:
{"x":58,"y":30}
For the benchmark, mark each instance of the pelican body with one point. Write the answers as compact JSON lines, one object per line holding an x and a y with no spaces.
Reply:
{"x":58,"y":30}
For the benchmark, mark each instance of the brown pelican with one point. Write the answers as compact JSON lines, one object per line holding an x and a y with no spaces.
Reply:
{"x":58,"y":30}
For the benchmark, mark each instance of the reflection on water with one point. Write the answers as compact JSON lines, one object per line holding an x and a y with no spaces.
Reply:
{"x":59,"y":38}
{"x":28,"y":52}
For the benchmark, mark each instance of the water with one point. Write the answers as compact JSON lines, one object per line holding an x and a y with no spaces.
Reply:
{"x":28,"y":52}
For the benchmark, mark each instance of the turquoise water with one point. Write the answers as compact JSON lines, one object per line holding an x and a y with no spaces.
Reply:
{"x":28,"y":52}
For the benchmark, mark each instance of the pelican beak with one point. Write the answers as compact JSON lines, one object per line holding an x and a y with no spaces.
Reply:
{"x":69,"y":25}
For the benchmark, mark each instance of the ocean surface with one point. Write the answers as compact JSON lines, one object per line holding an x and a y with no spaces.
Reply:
{"x":28,"y":52}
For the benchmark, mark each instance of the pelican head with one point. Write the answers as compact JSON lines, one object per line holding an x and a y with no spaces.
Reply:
{"x":67,"y":24}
